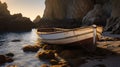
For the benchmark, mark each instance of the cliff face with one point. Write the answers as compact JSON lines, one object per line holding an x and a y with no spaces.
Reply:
{"x":113,"y":23}
{"x":65,"y":13}
{"x":115,"y":8}
{"x":14,"y":22}
{"x":67,"y":9}
{"x":76,"y":13}
{"x":98,"y":15}
{"x":3,"y":9}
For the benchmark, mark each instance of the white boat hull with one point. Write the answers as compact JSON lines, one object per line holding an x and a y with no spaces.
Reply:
{"x":68,"y":37}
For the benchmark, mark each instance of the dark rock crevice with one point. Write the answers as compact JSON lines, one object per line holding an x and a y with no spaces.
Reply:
{"x":113,"y":23}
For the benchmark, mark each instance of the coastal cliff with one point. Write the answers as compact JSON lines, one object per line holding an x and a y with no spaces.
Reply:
{"x":3,"y":9}
{"x":67,"y":9}
{"x":14,"y":22}
{"x":65,"y":13}
{"x":75,"y":13}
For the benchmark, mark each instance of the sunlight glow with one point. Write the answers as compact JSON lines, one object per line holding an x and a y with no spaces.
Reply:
{"x":28,"y":8}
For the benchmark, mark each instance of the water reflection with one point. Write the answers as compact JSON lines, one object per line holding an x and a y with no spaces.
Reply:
{"x":21,"y":58}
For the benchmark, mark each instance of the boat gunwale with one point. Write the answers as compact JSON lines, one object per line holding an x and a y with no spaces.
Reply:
{"x":44,"y":33}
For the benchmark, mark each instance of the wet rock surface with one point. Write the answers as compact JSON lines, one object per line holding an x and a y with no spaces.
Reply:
{"x":5,"y":59}
{"x":10,"y":54}
{"x":2,"y":59}
{"x":31,"y":48}
{"x":46,"y":54}
{"x":16,"y":40}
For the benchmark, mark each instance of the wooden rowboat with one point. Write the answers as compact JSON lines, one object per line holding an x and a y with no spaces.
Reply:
{"x":60,"y":36}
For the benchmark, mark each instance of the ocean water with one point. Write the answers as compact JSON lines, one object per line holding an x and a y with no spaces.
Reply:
{"x":22,"y":59}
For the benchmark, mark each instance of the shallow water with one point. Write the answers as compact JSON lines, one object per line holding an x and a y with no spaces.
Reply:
{"x":22,"y":59}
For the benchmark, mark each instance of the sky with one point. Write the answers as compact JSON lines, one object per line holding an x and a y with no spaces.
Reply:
{"x":28,"y":8}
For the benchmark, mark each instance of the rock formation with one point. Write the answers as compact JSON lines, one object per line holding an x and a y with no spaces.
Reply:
{"x":37,"y":19}
{"x":115,"y":8}
{"x":76,"y":13}
{"x":96,"y":16}
{"x":65,"y":13}
{"x":14,"y":22}
{"x":100,"y":13}
{"x":69,"y":13}
{"x":5,"y":59}
{"x":3,"y":9}
{"x":66,"y":9}
{"x":113,"y":23}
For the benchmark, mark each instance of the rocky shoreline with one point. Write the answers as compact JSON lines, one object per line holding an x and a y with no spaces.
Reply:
{"x":85,"y":13}
{"x":70,"y":56}
{"x":66,"y":56}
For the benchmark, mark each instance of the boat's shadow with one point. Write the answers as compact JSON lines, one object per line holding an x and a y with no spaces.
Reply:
{"x":77,"y":55}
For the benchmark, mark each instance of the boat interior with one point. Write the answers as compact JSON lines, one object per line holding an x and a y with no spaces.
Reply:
{"x":51,"y":29}
{"x":58,"y":30}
